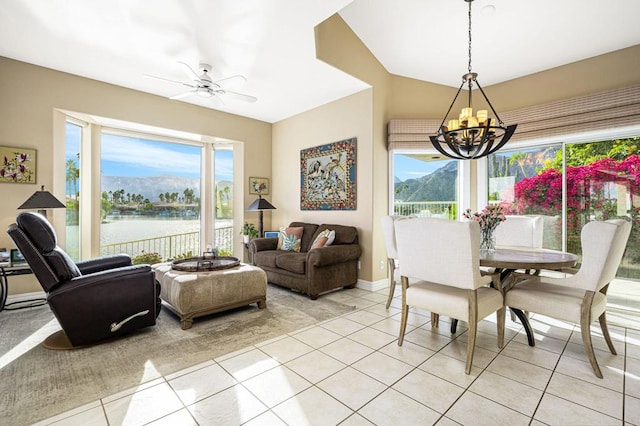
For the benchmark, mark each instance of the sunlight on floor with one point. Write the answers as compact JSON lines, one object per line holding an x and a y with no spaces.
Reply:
{"x":29,"y":343}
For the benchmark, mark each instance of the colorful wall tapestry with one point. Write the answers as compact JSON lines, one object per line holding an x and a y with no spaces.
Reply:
{"x":328,"y":176}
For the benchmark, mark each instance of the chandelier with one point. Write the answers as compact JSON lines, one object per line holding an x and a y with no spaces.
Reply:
{"x":469,"y":137}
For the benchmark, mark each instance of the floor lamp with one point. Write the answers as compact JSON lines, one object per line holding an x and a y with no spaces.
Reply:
{"x":260,"y":204}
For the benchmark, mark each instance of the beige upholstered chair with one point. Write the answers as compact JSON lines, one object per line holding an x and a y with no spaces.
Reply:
{"x":579,"y":298}
{"x":523,"y":231}
{"x":388,"y":232}
{"x":443,"y":256}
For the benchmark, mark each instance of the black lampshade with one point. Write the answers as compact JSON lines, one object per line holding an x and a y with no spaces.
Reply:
{"x":41,"y":200}
{"x":261,"y":204}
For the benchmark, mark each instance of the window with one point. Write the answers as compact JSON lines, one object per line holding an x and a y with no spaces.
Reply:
{"x":73,"y":136}
{"x":150,"y":198}
{"x":570,"y":185}
{"x":510,"y":176}
{"x":424,"y":186}
{"x":223,"y":186}
{"x":138,"y":190}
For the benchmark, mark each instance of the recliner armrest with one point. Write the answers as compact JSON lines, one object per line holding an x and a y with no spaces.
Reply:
{"x":333,"y":254}
{"x":103,"y":263}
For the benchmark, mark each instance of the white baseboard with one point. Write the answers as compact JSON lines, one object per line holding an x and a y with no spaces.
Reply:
{"x":373,"y":285}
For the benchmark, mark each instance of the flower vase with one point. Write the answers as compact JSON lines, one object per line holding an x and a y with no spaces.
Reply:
{"x":487,"y":241}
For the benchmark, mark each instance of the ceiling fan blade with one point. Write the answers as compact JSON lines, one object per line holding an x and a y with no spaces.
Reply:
{"x":240,"y":96}
{"x":195,"y":74}
{"x":183,"y":95}
{"x":170,"y":81}
{"x":233,"y":77}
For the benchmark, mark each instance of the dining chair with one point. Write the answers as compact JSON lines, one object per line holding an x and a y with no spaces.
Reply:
{"x":388,"y":231}
{"x":522,"y":231}
{"x":443,"y":259}
{"x":582,"y":297}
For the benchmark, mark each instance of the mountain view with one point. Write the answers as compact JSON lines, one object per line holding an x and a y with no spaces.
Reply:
{"x":441,"y":184}
{"x":150,"y":187}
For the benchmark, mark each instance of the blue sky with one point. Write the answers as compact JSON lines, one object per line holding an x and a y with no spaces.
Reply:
{"x":134,"y":157}
{"x":409,"y":168}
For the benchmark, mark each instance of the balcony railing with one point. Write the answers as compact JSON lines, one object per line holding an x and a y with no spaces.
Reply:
{"x":170,"y":246}
{"x":443,"y":209}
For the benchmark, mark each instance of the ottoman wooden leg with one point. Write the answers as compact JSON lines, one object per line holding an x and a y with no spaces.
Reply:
{"x":186,"y":323}
{"x":262,"y":304}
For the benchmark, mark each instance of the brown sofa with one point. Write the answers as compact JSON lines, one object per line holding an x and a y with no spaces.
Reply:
{"x":310,"y":271}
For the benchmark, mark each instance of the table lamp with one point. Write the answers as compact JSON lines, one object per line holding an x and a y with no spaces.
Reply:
{"x":260,"y":204}
{"x":41,"y":200}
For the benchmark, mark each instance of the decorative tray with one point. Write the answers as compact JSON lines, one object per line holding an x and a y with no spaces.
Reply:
{"x":205,"y":263}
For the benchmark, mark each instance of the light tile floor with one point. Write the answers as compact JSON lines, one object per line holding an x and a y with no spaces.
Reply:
{"x":350,"y":371}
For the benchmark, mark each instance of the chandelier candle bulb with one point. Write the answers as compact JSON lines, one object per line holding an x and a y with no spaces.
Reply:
{"x":453,"y":125}
{"x":466,"y":114}
{"x":482,"y":116}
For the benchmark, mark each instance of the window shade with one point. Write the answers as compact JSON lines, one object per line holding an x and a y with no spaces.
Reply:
{"x":600,"y":111}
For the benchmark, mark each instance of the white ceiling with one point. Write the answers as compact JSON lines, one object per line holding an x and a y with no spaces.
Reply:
{"x":271,"y":42}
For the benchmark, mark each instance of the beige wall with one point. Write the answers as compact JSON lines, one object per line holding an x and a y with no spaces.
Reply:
{"x":31,"y":94}
{"x":343,"y":119}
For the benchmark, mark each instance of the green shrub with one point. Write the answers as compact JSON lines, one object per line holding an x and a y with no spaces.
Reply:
{"x":146,"y":258}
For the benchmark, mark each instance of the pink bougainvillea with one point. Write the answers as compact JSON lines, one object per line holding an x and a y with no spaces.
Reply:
{"x":587,"y":197}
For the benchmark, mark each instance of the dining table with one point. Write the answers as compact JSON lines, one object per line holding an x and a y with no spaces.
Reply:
{"x":508,"y":259}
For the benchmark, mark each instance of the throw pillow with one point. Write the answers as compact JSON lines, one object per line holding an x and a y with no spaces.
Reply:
{"x":324,"y":239}
{"x":290,"y":238}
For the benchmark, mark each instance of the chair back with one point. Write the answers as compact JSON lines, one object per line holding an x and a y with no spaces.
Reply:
{"x":603,"y":244}
{"x":617,"y":250}
{"x":523,"y":231}
{"x":36,"y":239}
{"x":440,"y":251}
{"x":389,"y":233}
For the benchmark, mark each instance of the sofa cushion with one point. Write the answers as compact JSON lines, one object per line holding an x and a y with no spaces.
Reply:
{"x":324,"y":238}
{"x":344,"y":234}
{"x":289,"y":239}
{"x":292,"y":262}
{"x":266,"y":258}
{"x":308,"y":235}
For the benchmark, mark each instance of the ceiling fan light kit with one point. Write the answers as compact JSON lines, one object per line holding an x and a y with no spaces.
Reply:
{"x":202,"y":85}
{"x":468,"y":137}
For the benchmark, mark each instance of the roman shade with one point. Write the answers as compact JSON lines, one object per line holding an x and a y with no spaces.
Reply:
{"x":600,"y":111}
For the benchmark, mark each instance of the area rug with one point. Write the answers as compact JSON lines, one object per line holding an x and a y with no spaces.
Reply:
{"x":37,"y":383}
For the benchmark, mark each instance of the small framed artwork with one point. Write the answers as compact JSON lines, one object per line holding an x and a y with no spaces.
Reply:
{"x":17,"y":165}
{"x":271,"y":234}
{"x":258,"y":185}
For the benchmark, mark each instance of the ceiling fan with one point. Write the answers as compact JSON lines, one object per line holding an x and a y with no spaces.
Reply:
{"x":203,"y":85}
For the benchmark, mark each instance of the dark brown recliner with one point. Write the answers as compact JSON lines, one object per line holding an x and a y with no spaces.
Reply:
{"x":93,"y":300}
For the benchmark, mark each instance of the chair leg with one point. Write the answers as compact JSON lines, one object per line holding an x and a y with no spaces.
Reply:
{"x":605,"y":332}
{"x":405,"y":310}
{"x":392,"y":282}
{"x":501,"y":314}
{"x":585,"y":323}
{"x":603,"y":324}
{"x":473,"y":326}
{"x":435,"y":319}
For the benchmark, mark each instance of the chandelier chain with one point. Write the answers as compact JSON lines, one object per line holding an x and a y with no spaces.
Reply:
{"x":470,"y":36}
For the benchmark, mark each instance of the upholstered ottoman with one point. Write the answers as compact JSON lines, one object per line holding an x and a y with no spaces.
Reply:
{"x":194,"y":294}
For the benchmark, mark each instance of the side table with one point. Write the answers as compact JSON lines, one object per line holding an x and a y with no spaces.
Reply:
{"x":9,"y":271}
